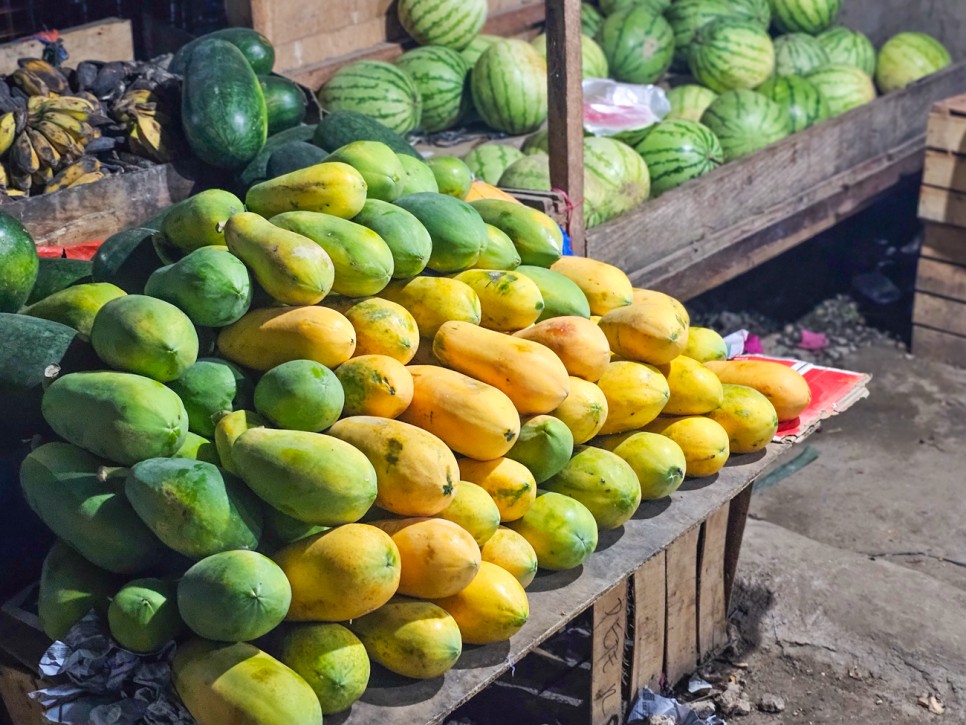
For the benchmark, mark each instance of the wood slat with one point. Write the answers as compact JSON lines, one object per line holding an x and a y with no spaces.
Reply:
{"x":712,"y":613}
{"x":940,"y":278}
{"x":944,"y":170}
{"x":681,"y":643}
{"x":939,"y":313}
{"x":650,"y":618}
{"x":737,"y":518}
{"x":942,"y":206}
{"x":937,"y":345}
{"x":15,"y":684}
{"x":946,"y":133}
{"x":944,"y":243}
{"x":607,"y":662}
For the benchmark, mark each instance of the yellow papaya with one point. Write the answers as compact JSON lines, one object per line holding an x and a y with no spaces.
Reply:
{"x":508,"y":301}
{"x":605,"y":286}
{"x":657,"y":460}
{"x":494,"y":606}
{"x":748,"y":417}
{"x":704,"y":442}
{"x":704,"y":344}
{"x":584,"y":411}
{"x":641,"y":296}
{"x":636,"y":394}
{"x":695,"y":390}
{"x":648,"y":332}
{"x":511,"y":552}
{"x":473,"y":509}
{"x":579,"y":343}
{"x":383,"y":328}
{"x":510,"y":484}
{"x":435,"y":300}
{"x":375,"y":385}
{"x":785,"y":388}
{"x":333,"y":188}
{"x":482,"y":190}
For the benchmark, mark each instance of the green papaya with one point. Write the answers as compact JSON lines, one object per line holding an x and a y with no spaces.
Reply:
{"x":418,"y":176}
{"x":198,"y":448}
{"x":536,"y":236}
{"x":82,"y":503}
{"x":453,"y":176}
{"x":18,"y":264}
{"x":561,"y":295}
{"x":499,"y":252}
{"x":293,"y":156}
{"x":457,"y":231}
{"x":229,"y":429}
{"x":378,"y":164}
{"x":76,"y":306}
{"x":199,"y":221}
{"x":127,"y":259}
{"x":407,"y":239}
{"x":209,"y":388}
{"x":57,"y":273}
{"x":284,"y":102}
{"x":544,"y":446}
{"x":143,"y":615}
{"x":70,"y":586}
{"x":283,"y":529}
{"x":300,"y":395}
{"x":603,"y":482}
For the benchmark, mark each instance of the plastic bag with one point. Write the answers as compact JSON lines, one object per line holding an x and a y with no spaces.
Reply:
{"x":611,"y":107}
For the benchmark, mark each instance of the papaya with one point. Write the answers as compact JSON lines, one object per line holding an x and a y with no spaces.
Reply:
{"x":70,"y":587}
{"x":266,"y":338}
{"x":340,"y":574}
{"x":509,"y":483}
{"x":143,"y":616}
{"x":283,"y":529}
{"x":605,"y":286}
{"x":580,"y":344}
{"x":300,"y":395}
{"x":603,"y":482}
{"x":127,"y":259}
{"x":384,"y":328}
{"x":238,"y":683}
{"x":208,"y":388}
{"x":435,"y":300}
{"x":642,"y":296}
{"x":457,"y":231}
{"x":474,"y":510}
{"x":375,"y":385}
{"x":331,"y":188}
{"x":530,"y":374}
{"x":75,"y":306}
{"x":704,"y":442}
{"x":561,"y":296}
{"x":122,"y":417}
{"x":636,"y":394}
{"x":658,"y":462}
{"x":228,"y":429}
{"x":193,"y":507}
{"x":492,"y":608}
{"x":315,"y":478}
{"x":453,"y":176}
{"x":199,"y":221}
{"x":512,"y":553}
{"x":407,"y":239}
{"x":378,"y":164}
{"x":544,"y":446}
{"x":650,"y":333}
{"x":209,"y":285}
{"x":499,"y":252}
{"x":472,"y":418}
{"x":748,"y":417}
{"x":480,"y":189}
{"x":508,"y":301}
{"x":417,"y":177}
{"x":415,"y":471}
{"x":362,"y":260}
{"x":695,"y":390}
{"x":411,"y":638}
{"x":704,"y":345}
{"x":536,"y":236}
{"x":785,"y":388}
{"x":198,"y":448}
{"x":144,"y":335}
{"x":560,"y":529}
{"x":86,"y":508}
{"x":584,"y":411}
{"x":58,"y":273}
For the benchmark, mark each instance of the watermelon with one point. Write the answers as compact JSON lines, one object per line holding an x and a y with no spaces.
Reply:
{"x":590,"y":19}
{"x":472,"y":52}
{"x":678,"y":151}
{"x":509,"y":84}
{"x":689,"y":102}
{"x":849,"y":47}
{"x":687,"y":17}
{"x":488,"y":161}
{"x":620,"y":173}
{"x":728,"y":54}
{"x":440,"y":77}
{"x":907,"y":57}
{"x":844,"y":87}
{"x":378,"y":90}
{"x":450,"y":23}
{"x":798,"y":53}
{"x":805,"y":16}
{"x":745,"y":121}
{"x":593,"y":61}
{"x":799,"y":98}
{"x":536,"y":142}
{"x":638,"y":43}
{"x":759,"y":10}
{"x":530,"y":172}
{"x":609,"y":7}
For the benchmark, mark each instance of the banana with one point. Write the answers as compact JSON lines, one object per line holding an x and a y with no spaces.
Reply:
{"x":49,"y":156}
{"x":3,"y":176}
{"x":21,"y":182}
{"x":44,"y":175}
{"x":60,"y":139}
{"x":79,"y":108}
{"x":30,"y":83}
{"x":70,"y":174}
{"x":8,"y":129}
{"x":88,"y":178}
{"x":23,"y":157}
{"x":47,"y":73}
{"x":36,"y":106}
{"x":67,"y":122}
{"x":151,"y":136}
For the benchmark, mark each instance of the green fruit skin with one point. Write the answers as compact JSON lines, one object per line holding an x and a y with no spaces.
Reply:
{"x":70,"y":586}
{"x":312,"y":477}
{"x":284,"y":102}
{"x":300,"y":395}
{"x":282,"y":529}
{"x":453,"y":176}
{"x":209,"y":387}
{"x":603,"y":482}
{"x":229,"y":429}
{"x":122,"y":417}
{"x":499,"y":252}
{"x":561,"y":530}
{"x":18,"y":264}
{"x":199,"y":221}
{"x":561,"y":295}
{"x":127,"y":259}
{"x":144,"y":335}
{"x":407,"y":239}
{"x":418,"y":176}
{"x":257,"y":169}
{"x":457,"y":231}
{"x":378,"y":164}
{"x":539,"y":243}
{"x":143,"y":615}
{"x":76,"y":306}
{"x":544,"y":446}
{"x":198,"y":448}
{"x":256,"y":48}
{"x":234,"y":596}
{"x":342,"y":127}
{"x":193,"y":507}
{"x":60,"y":482}
{"x":293,"y":156}
{"x":55,"y":274}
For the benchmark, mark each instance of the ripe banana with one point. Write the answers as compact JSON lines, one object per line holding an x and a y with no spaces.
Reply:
{"x":23,"y":157}
{"x":21,"y":182}
{"x":49,"y":156}
{"x":8,"y":132}
{"x":79,"y":108}
{"x":79,"y":130}
{"x":70,"y":174}
{"x":3,"y":176}
{"x":45,"y":72}
{"x":60,"y":139}
{"x":88,"y":178}
{"x":44,"y":175}
{"x":30,"y":83}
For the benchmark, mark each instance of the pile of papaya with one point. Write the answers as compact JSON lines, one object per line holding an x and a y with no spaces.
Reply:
{"x":344,"y":419}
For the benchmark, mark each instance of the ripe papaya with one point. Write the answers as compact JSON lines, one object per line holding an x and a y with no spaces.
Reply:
{"x":209,"y":388}
{"x":603,"y":482}
{"x":482,"y":190}
{"x":584,"y":411}
{"x":704,"y":442}
{"x":407,"y":239}
{"x":511,"y":552}
{"x":544,"y":446}
{"x":499,"y":252}
{"x":228,"y":429}
{"x":695,"y":390}
{"x":560,"y":529}
{"x":636,"y":394}
{"x":199,"y":221}
{"x":785,"y":388}
{"x":508,"y":301}
{"x":580,"y":344}
{"x":536,"y":236}
{"x":748,"y":417}
{"x":330,"y":188}
{"x":458,"y":233}
{"x":561,"y":297}
{"x":143,"y":615}
{"x":435,"y":300}
{"x":384,"y":328}
{"x":510,"y":484}
{"x":657,"y":460}
{"x":300,"y":395}
{"x":76,"y":306}
{"x":492,"y":608}
{"x":474,"y":510}
{"x":70,"y":587}
{"x":647,"y":296}
{"x":650,"y":333}
{"x":704,"y":345}
{"x":605,"y":286}
{"x":375,"y":385}
{"x":378,"y":164}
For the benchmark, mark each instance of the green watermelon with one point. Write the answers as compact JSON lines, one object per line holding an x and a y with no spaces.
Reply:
{"x":798,"y":53}
{"x":618,"y":172}
{"x":805,"y":16}
{"x":509,"y":84}
{"x":844,"y":87}
{"x":529,"y":172}
{"x":450,"y":23}
{"x":638,"y":43}
{"x":759,"y":10}
{"x":678,"y":151}
{"x":687,"y":17}
{"x":609,"y":7}
{"x":379,"y":90}
{"x":488,"y":161}
{"x":907,"y":57}
{"x":537,"y":142}
{"x":745,"y":121}
{"x":689,"y":102}
{"x":799,"y":98}
{"x":848,"y":47}
{"x":728,"y":54}
{"x":440,"y":77}
{"x":593,"y":61}
{"x":590,"y":19}
{"x":472,"y":52}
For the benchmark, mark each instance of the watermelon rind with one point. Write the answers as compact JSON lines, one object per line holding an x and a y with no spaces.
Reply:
{"x":593,"y":62}
{"x":687,"y":17}
{"x":379,"y":90}
{"x":528,"y":172}
{"x":488,"y":161}
{"x":805,"y":16}
{"x":728,"y":54}
{"x":450,"y":23}
{"x":907,"y":57}
{"x":509,"y":84}
{"x":798,"y":53}
{"x":639,"y":45}
{"x":689,"y":102}
{"x":440,"y":77}
{"x":800,"y":99}
{"x":677,"y":151}
{"x":849,"y":47}
{"x":745,"y":121}
{"x":844,"y":87}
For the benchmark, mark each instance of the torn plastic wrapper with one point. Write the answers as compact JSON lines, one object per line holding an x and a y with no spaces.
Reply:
{"x":649,"y":703}
{"x":611,"y":107}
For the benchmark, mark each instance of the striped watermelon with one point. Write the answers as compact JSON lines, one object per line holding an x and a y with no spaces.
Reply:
{"x":593,"y":61}
{"x":799,"y":98}
{"x":440,"y":77}
{"x":687,"y":17}
{"x":616,"y":175}
{"x":745,"y":121}
{"x":638,"y":44}
{"x":849,"y":47}
{"x":537,"y":142}
{"x":450,"y":23}
{"x":759,"y":10}
{"x":609,"y":7}
{"x":798,"y":53}
{"x":509,"y":84}
{"x":529,"y":172}
{"x":805,"y":16}
{"x":907,"y":57}
{"x":844,"y":87}
{"x":689,"y":102}
{"x":728,"y":54}
{"x":590,"y":19}
{"x":488,"y":161}
{"x":472,"y":52}
{"x":678,"y":151}
{"x":379,"y":90}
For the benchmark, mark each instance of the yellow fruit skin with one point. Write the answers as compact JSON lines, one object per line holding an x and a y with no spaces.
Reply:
{"x":438,"y":558}
{"x":334,"y":188}
{"x":383,"y":328}
{"x":748,"y":417}
{"x":649,"y":295}
{"x":605,"y":286}
{"x":482,"y":190}
{"x":375,"y":385}
{"x":658,"y":462}
{"x":580,"y":344}
{"x":531,"y":375}
{"x":415,"y":472}
{"x":704,"y":345}
{"x":508,"y":301}
{"x":636,"y":394}
{"x":785,"y":388}
{"x":265,"y":338}
{"x":229,"y":429}
{"x":435,"y":300}
{"x":472,"y":418}
{"x":649,"y":332}
{"x":510,"y":484}
{"x":584,"y":411}
{"x":491,"y":609}
{"x":473,"y":509}
{"x":324,"y":568}
{"x":694,"y":389}
{"x":704,"y":442}
{"x":510,"y":551}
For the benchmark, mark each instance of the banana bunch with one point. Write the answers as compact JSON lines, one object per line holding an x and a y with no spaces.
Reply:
{"x":146,"y":116}
{"x":37,"y":77}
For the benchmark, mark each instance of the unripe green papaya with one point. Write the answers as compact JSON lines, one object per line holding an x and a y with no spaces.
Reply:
{"x":561,"y":295}
{"x":603,"y":482}
{"x":76,"y":306}
{"x":300,"y":395}
{"x":211,"y":387}
{"x":199,"y":221}
{"x":418,"y":176}
{"x":536,"y":236}
{"x":283,"y":529}
{"x":198,"y":448}
{"x":143,"y":615}
{"x":544,"y":446}
{"x":378,"y":164}
{"x":70,"y":586}
{"x":499,"y":252}
{"x":457,"y":231}
{"x":407,"y":239}
{"x":453,"y":176}
{"x":229,"y":428}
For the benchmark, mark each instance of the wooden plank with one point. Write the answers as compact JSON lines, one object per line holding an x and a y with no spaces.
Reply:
{"x":946,"y":133}
{"x":650,"y":618}
{"x":712,"y":613}
{"x":607,"y":661}
{"x":955,"y":106}
{"x":107,"y":40}
{"x":937,"y":345}
{"x":15,"y":683}
{"x":942,"y":206}
{"x":681,"y":643}
{"x":939,"y":313}
{"x":944,"y":243}
{"x":944,"y":170}
{"x":737,"y":518}
{"x":881,"y":19}
{"x":939,"y":278}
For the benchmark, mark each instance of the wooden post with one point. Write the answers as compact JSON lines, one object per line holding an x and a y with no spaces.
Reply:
{"x":607,"y":665}
{"x":565,"y":99}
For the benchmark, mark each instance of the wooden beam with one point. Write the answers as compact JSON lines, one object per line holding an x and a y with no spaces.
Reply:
{"x":944,"y":170}
{"x":940,"y":313}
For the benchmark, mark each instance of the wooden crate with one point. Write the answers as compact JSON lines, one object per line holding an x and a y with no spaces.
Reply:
{"x":108,"y":39}
{"x":16,"y":681}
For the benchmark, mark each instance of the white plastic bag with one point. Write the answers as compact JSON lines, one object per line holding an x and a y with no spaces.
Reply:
{"x":611,"y":107}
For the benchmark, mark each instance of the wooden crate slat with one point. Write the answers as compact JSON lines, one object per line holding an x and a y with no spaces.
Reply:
{"x":15,"y":684}
{"x":712,"y":613}
{"x":944,"y":243}
{"x":737,"y":518}
{"x":946,"y":133}
{"x":940,"y":278}
{"x":938,"y":345}
{"x":944,"y":170}
{"x":942,"y":206}
{"x":681,"y":643}
{"x":650,"y":619}
{"x":607,"y":663}
{"x":939,"y":313}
